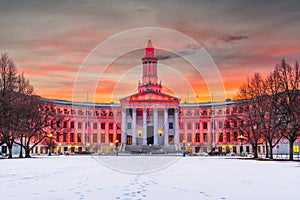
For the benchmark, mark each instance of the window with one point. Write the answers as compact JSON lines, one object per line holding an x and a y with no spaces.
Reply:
{"x":80,"y":112}
{"x":189,"y":137}
{"x":171,"y":112}
{"x":71,"y":137}
{"x":227,"y":111}
{"x":102,"y":125}
{"x":111,"y":126}
{"x":235,"y":136}
{"x":66,"y":112}
{"x":197,"y":137}
{"x":72,"y":124}
{"x":234,"y":149}
{"x":197,"y":125}
{"x":170,"y":125}
{"x":181,"y":137}
{"x":103,"y":138}
{"x":64,"y":137}
{"x":111,"y":137}
{"x":189,"y":113}
{"x":227,"y":124}
{"x":119,"y":138}
{"x":118,"y":126}
{"x":128,"y":125}
{"x":220,"y":124}
{"x":58,"y":124}
{"x":87,"y":138}
{"x":220,"y":137}
{"x":228,"y":136}
{"x":181,"y":126}
{"x":79,"y":125}
{"x":204,"y":125}
{"x":205,"y":139}
{"x":95,"y":137}
{"x":57,"y":137}
{"x":78,"y":137}
{"x":189,"y":126}
{"x":129,"y":139}
{"x":95,"y":125}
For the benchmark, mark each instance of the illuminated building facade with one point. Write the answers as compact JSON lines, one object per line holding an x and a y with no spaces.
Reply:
{"x":148,"y":118}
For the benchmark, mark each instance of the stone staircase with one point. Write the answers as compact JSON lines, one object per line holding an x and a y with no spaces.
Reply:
{"x":154,"y":149}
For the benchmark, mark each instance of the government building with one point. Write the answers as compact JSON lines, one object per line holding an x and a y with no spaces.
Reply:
{"x":148,"y":120}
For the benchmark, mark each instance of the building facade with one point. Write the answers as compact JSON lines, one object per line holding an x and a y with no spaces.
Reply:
{"x":147,"y":118}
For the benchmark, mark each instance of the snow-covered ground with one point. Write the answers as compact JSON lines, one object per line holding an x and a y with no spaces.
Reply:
{"x":147,"y":177}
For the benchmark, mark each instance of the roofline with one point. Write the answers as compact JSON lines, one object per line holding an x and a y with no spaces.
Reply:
{"x":83,"y":104}
{"x":118,"y":105}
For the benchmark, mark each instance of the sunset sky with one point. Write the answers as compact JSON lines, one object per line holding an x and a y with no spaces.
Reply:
{"x":51,"y":40}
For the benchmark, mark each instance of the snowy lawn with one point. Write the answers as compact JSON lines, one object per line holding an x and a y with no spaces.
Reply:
{"x":110,"y":177}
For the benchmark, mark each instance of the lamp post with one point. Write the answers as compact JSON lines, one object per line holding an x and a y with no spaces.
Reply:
{"x":87,"y":147}
{"x":50,"y":146}
{"x":241,"y":138}
{"x":183,"y":148}
{"x":150,"y":145}
{"x":117,"y":148}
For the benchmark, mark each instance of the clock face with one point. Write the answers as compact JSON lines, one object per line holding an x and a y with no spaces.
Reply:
{"x":149,"y":51}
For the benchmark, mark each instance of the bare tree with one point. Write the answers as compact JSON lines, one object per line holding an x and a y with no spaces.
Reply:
{"x":8,"y":84}
{"x":36,"y":123}
{"x":289,"y":102}
{"x":273,"y":125}
{"x":251,"y":98}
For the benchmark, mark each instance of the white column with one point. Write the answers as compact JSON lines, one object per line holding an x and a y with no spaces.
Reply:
{"x":144,"y":126}
{"x":134,"y":126}
{"x":166,"y":127}
{"x":123,"y":127}
{"x":155,"y":115}
{"x":176,"y":139}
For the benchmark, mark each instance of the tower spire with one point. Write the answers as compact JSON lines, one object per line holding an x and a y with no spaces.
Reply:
{"x":149,"y":41}
{"x":149,"y":78}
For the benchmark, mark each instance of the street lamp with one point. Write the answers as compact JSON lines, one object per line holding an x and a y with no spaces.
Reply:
{"x":241,"y":138}
{"x":117,"y":148}
{"x":183,"y":148}
{"x":50,"y":146}
{"x":87,"y":149}
{"x":150,"y":145}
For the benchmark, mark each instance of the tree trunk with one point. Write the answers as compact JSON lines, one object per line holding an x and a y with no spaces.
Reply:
{"x":9,"y":151}
{"x":27,"y":152}
{"x":271,"y":150}
{"x":267,"y":150}
{"x":291,"y":150}
{"x":21,"y":152}
{"x":21,"y":149}
{"x":255,"y":151}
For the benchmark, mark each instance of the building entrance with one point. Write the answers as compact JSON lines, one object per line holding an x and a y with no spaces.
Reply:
{"x":150,"y":135}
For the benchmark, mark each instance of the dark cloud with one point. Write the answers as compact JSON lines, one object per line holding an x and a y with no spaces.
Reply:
{"x":234,"y":38}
